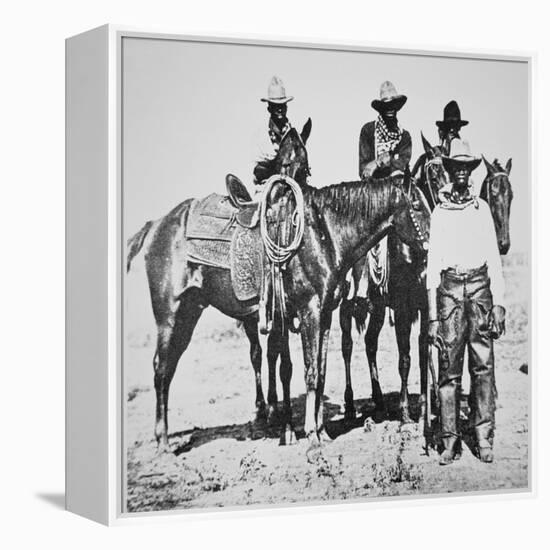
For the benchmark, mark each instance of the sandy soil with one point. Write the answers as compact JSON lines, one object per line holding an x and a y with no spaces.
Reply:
{"x":223,"y":458}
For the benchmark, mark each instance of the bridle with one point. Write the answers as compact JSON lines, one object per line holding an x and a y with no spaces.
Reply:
{"x":421,"y":235}
{"x":491,"y":177}
{"x":428,"y":166}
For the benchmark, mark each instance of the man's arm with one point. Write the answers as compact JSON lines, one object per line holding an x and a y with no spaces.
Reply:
{"x":366,"y":149}
{"x":401,"y":156}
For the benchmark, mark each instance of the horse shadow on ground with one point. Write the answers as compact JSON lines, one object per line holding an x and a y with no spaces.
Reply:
{"x":336,"y":425}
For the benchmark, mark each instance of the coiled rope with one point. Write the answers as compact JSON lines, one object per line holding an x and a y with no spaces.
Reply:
{"x":276,"y":253}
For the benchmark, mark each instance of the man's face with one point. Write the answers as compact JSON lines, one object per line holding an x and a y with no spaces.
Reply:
{"x":452,"y":132}
{"x":460,"y":177}
{"x":277,"y":111}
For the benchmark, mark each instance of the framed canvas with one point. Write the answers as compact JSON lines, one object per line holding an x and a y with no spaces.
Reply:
{"x":297,"y":274}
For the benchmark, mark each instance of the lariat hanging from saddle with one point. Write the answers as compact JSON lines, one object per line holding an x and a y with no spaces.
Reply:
{"x":282,"y":230}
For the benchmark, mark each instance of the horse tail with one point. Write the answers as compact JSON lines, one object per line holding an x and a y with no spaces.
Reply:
{"x":135,"y":243}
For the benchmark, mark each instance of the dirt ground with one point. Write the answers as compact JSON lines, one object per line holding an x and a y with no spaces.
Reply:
{"x":223,"y":458}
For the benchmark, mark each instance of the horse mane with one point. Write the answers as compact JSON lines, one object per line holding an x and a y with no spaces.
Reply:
{"x":363,"y":199}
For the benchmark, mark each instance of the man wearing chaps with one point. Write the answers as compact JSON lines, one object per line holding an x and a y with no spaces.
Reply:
{"x":466,"y":291}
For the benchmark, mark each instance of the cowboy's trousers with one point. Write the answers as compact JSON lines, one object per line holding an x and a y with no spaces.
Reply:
{"x":464,"y":303}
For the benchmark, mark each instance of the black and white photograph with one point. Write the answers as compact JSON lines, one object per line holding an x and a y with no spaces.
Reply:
{"x":327,"y":274}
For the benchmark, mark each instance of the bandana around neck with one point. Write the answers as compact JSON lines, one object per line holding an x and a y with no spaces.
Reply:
{"x":275,"y":134}
{"x":451,"y":200}
{"x":386,"y":139}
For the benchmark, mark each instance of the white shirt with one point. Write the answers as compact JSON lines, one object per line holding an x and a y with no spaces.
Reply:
{"x":464,"y":239}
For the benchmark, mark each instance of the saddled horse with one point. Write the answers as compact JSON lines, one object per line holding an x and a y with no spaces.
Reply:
{"x":406,"y":285}
{"x":341,"y":223}
{"x":177,"y":304}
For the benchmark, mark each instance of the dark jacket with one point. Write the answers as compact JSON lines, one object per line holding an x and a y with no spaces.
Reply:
{"x":399,"y":158}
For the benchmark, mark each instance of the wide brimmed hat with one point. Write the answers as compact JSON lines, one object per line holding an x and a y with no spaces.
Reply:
{"x":276,"y":92}
{"x":460,"y":155}
{"x":451,"y":115}
{"x":389,"y":98}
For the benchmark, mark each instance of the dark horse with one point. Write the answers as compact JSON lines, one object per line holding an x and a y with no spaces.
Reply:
{"x":406,"y":285}
{"x":341,"y":223}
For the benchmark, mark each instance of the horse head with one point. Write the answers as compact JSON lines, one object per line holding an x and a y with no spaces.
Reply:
{"x":292,"y":159}
{"x":496,"y":190}
{"x":433,"y":176}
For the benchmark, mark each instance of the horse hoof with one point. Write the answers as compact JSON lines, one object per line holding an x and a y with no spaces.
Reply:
{"x":272,"y":416}
{"x":261,"y":413}
{"x":288,"y":437}
{"x":349,"y":414}
{"x":379,"y":415}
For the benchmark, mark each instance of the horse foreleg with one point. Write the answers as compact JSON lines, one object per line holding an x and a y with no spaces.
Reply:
{"x":273,"y":353}
{"x":310,"y":323}
{"x":346,"y":316}
{"x":376,"y":322}
{"x":251,"y":330}
{"x":288,"y":436}
{"x":403,"y":322}
{"x":322,"y":369}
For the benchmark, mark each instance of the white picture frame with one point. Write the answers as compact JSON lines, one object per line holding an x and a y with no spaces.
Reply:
{"x":95,"y":398}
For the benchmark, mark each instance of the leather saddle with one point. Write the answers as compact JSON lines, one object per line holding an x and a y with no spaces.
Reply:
{"x":223,"y":231}
{"x":248,"y":210}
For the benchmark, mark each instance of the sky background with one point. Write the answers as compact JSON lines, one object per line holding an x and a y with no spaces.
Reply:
{"x":191,"y":112}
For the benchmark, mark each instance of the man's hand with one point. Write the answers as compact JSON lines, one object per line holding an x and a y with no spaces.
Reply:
{"x":369,"y":169}
{"x":384,"y":159}
{"x":497,"y":322}
{"x":433,"y":331}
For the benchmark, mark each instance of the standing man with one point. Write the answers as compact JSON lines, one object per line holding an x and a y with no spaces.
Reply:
{"x":384,"y":147}
{"x":449,"y":128}
{"x":269,"y":140}
{"x":466,"y":295}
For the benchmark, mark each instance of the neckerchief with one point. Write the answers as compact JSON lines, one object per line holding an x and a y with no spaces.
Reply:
{"x":275,"y":134}
{"x":385,"y":139}
{"x":451,"y":200}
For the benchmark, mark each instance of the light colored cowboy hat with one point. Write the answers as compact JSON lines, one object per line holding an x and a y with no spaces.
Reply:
{"x":276,"y":92}
{"x":388,"y":98}
{"x":460,"y":155}
{"x":451,"y":115}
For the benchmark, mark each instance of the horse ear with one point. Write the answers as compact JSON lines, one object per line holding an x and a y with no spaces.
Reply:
{"x":509,"y":166}
{"x":488,"y":165}
{"x":306,"y":130}
{"x":427,"y":147}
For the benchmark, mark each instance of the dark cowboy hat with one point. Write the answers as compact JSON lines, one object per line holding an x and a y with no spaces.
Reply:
{"x":389,"y":98}
{"x":276,"y":92}
{"x":460,"y":156}
{"x":451,"y":115}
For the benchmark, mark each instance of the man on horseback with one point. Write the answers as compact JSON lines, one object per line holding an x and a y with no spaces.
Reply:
{"x":384,"y":147}
{"x":384,"y":150}
{"x":466,"y":292}
{"x":449,"y":128}
{"x":268,"y":142}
